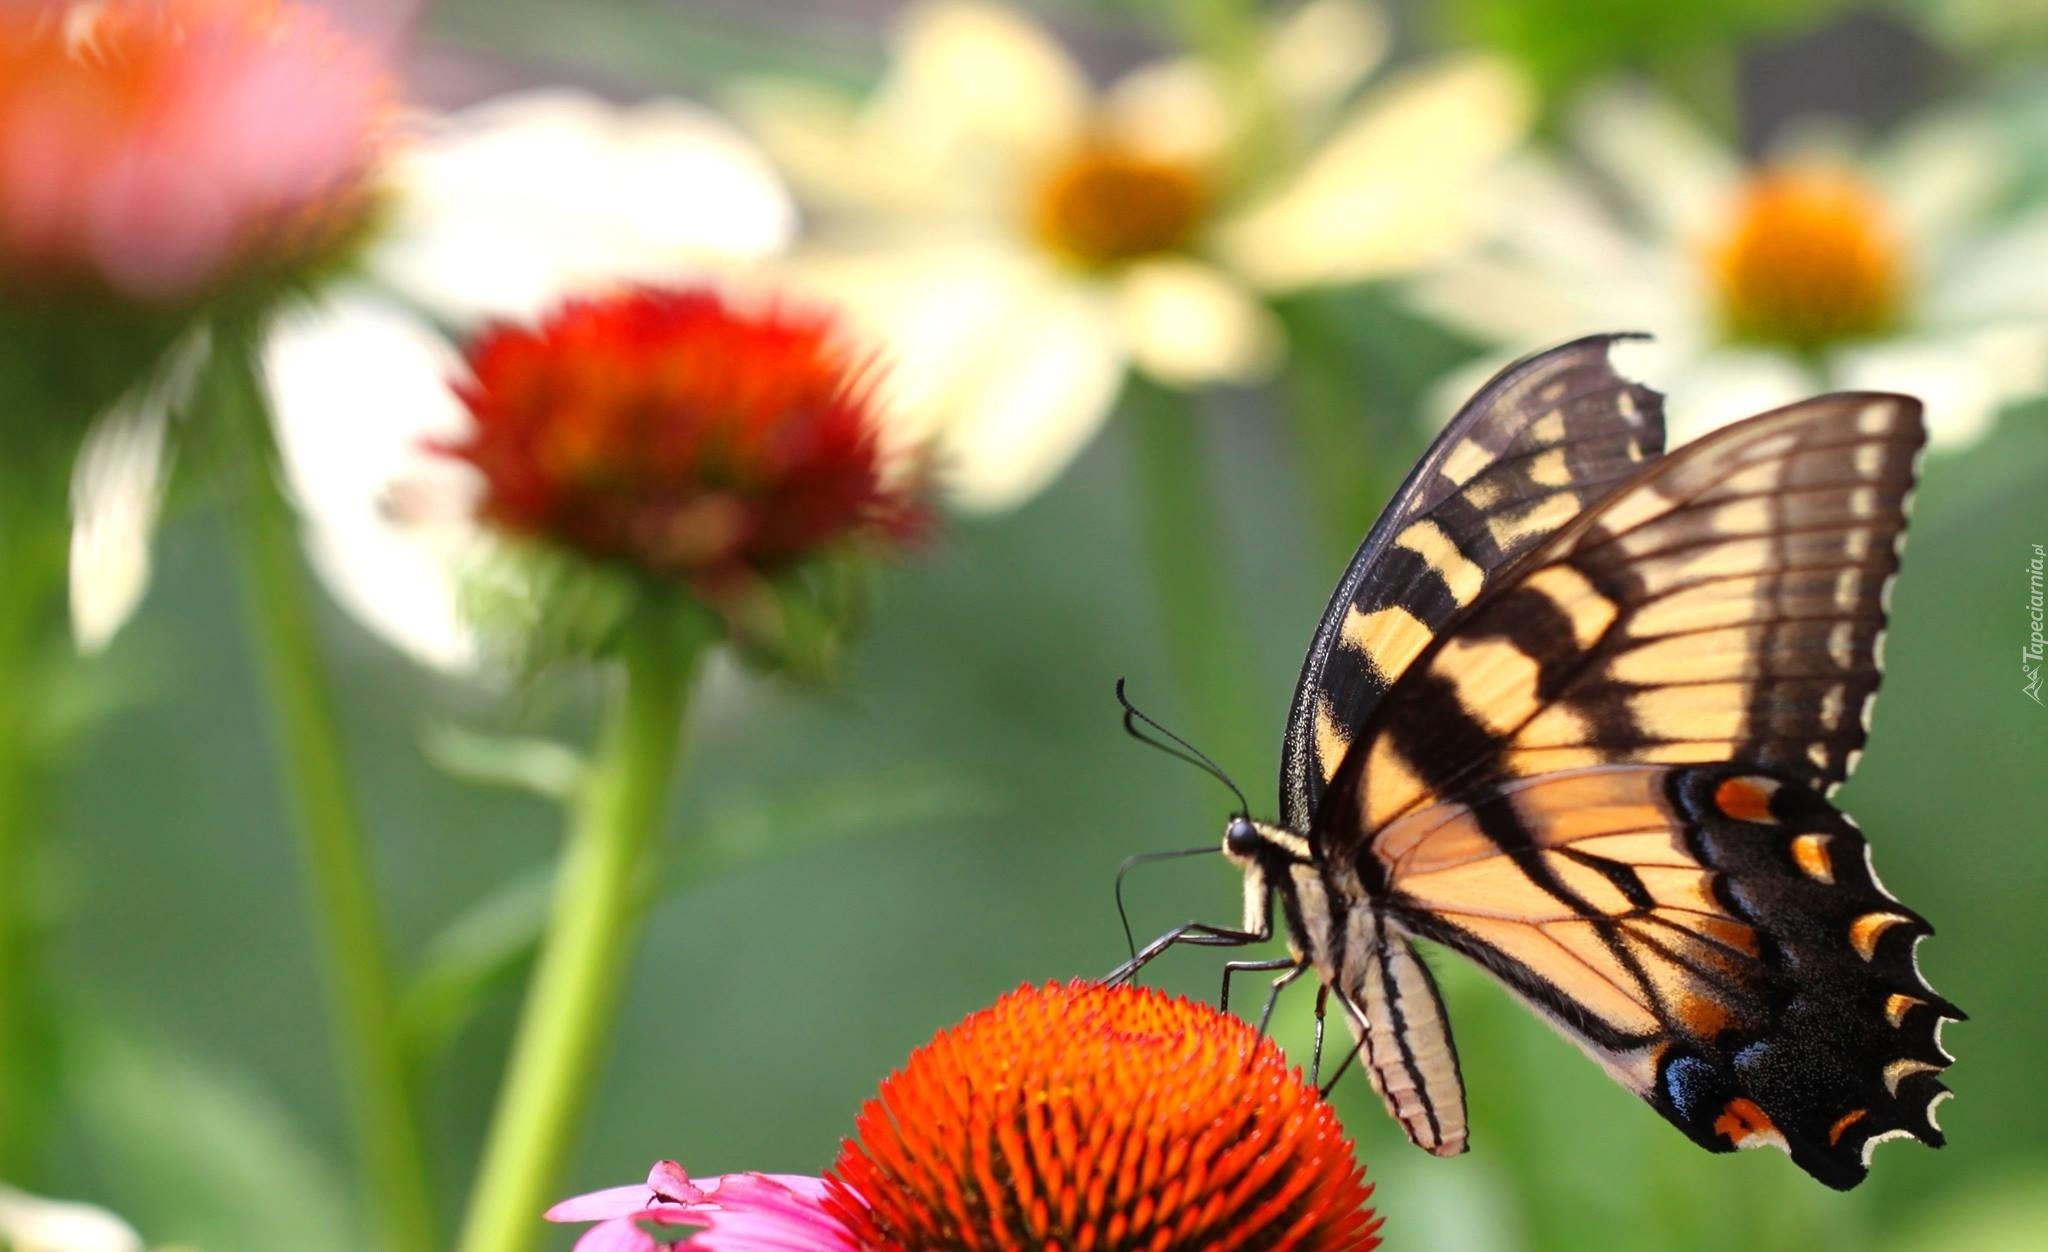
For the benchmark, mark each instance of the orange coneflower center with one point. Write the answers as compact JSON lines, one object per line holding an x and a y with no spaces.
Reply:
{"x":1809,"y":259}
{"x":1086,"y":1118}
{"x":1106,"y":203}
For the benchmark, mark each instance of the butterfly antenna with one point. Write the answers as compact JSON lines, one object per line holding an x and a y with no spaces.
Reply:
{"x":1130,"y":863}
{"x":1178,"y":747}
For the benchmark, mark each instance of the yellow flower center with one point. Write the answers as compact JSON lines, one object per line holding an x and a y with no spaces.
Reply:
{"x":1810,"y":259}
{"x":1106,"y":204}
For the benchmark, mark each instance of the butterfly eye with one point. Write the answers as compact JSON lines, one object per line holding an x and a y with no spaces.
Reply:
{"x":1241,"y":838}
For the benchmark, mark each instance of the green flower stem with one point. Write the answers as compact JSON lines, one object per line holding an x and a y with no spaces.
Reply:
{"x":16,"y":1002}
{"x":33,"y":556}
{"x":602,"y":890}
{"x":1192,"y":575}
{"x":308,"y":739}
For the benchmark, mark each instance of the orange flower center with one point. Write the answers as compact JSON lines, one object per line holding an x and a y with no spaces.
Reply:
{"x":1810,"y":259}
{"x":1095,"y":1119}
{"x":1106,"y":204}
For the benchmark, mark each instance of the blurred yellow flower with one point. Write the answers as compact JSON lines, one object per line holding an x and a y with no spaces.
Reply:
{"x":1019,"y":240}
{"x":1889,"y":268}
{"x":495,"y":212}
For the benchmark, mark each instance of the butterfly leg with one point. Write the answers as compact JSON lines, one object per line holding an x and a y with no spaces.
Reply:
{"x":1315,"y":1058}
{"x":1316,"y":1061}
{"x":1198,"y":934}
{"x":1294,"y":967}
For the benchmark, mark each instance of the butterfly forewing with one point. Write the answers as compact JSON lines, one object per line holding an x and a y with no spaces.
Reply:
{"x":1729,"y":605}
{"x":1547,"y":437}
{"x":1604,"y":781}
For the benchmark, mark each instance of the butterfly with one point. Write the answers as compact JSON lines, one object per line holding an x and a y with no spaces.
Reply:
{"x":1575,"y":712}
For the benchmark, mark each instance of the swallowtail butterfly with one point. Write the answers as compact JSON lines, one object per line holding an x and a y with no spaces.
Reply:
{"x":1575,"y":711}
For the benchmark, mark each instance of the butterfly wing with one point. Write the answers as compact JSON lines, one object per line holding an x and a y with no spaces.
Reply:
{"x":1715,"y":938}
{"x":1605,"y":783}
{"x":1548,"y":436}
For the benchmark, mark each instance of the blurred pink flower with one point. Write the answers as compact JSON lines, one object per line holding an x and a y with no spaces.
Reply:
{"x":498,"y":212}
{"x":156,"y":148}
{"x":732,"y":1213}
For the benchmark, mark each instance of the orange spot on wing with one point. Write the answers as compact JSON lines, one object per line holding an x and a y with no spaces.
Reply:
{"x":1864,"y":932}
{"x":1731,"y":933}
{"x":1810,"y":853}
{"x":1843,"y":1123}
{"x":1741,"y":1120}
{"x":1703,"y":1015}
{"x":1746,"y":799}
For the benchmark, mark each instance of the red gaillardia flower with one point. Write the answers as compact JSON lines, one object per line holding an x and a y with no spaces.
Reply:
{"x":1076,"y":1118}
{"x":160,"y":150}
{"x":681,"y":435}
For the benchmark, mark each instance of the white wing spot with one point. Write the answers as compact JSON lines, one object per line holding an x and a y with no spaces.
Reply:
{"x":1934,"y":1104}
{"x":1841,"y":644}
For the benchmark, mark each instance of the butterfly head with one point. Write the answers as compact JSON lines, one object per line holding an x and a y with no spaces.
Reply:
{"x":1252,"y":844}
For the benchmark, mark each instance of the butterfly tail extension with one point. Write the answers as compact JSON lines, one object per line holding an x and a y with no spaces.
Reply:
{"x":1397,"y":1016}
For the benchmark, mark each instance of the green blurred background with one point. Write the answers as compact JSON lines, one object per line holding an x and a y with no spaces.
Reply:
{"x":853,"y":872}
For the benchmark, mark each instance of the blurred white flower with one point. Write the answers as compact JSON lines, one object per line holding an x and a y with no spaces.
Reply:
{"x":1017,"y":241}
{"x":117,"y":486}
{"x":1823,"y":267}
{"x":495,"y":212}
{"x":31,"y":1223}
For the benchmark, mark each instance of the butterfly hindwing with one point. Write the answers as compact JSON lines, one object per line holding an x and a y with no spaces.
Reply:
{"x":1712,"y":936}
{"x":1548,"y":436}
{"x":1604,"y":780}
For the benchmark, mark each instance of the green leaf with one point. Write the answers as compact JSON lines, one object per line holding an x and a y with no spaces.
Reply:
{"x":486,"y":946}
{"x":524,"y":763}
{"x":1564,"y":43}
{"x":760,"y":826}
{"x":490,"y":945}
{"x":195,"y":1155}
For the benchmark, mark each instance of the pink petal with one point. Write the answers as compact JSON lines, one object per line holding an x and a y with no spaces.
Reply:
{"x":736,"y":1213}
{"x":770,"y":1213}
{"x":617,"y":1236}
{"x":749,"y":1232}
{"x":806,"y":1185}
{"x":599,"y":1206}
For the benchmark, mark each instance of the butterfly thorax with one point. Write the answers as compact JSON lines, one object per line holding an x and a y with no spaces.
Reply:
{"x":1282,"y":863}
{"x":1336,"y":922}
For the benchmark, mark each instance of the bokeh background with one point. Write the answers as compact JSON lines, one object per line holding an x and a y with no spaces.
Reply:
{"x":850,"y":872}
